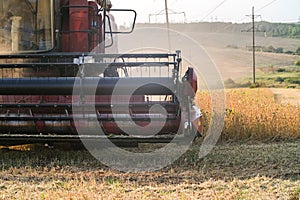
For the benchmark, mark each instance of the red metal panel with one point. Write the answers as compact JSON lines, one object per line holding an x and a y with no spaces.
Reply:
{"x":95,"y":23}
{"x":75,"y":24}
{"x":79,"y":24}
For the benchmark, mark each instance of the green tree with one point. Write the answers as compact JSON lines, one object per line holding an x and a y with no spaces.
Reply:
{"x":279,"y":50}
{"x":297,"y":51}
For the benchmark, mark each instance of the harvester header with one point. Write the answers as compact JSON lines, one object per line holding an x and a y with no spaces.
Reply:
{"x":54,"y":60}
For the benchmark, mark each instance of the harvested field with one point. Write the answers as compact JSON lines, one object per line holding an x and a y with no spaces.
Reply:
{"x":231,"y":171}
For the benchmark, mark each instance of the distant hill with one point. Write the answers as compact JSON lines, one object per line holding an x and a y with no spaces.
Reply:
{"x":288,"y":30}
{"x":227,"y":45}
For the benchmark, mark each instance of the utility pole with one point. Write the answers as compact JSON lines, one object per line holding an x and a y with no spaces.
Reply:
{"x":167,"y":13}
{"x":253,"y":16}
{"x":253,"y":44}
{"x":168,"y":24}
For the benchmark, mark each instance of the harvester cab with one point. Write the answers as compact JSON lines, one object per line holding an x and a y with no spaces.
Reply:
{"x":61,"y":80}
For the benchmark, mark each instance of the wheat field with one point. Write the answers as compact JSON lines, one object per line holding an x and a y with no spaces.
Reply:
{"x":254,"y":114}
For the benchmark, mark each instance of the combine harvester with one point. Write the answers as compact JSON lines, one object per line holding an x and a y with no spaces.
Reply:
{"x":57,"y":79}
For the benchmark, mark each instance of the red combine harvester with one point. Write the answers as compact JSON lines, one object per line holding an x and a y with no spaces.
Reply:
{"x":53,"y":62}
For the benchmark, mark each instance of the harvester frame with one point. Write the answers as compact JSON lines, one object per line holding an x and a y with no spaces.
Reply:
{"x":39,"y":90}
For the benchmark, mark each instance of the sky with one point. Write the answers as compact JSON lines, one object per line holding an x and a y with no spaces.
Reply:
{"x":214,"y":10}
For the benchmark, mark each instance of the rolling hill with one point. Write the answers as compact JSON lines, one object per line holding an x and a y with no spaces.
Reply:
{"x":225,"y":44}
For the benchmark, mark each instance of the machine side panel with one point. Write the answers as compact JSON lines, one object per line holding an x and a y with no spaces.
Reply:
{"x":75,"y":27}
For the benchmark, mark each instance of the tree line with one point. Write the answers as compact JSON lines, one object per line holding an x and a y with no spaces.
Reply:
{"x":290,"y":30}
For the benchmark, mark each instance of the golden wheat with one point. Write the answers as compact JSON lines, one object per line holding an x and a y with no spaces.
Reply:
{"x":254,"y":114}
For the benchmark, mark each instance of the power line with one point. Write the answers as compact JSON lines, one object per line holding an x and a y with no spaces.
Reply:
{"x":268,"y":4}
{"x":171,"y":12}
{"x":214,"y":9}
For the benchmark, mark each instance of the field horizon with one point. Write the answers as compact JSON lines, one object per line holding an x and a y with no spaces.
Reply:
{"x":229,"y":50}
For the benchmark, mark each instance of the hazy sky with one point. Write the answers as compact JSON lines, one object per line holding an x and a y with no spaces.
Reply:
{"x":215,"y":10}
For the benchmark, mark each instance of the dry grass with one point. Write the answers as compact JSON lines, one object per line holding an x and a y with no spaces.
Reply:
{"x":254,"y":114}
{"x":231,"y":171}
